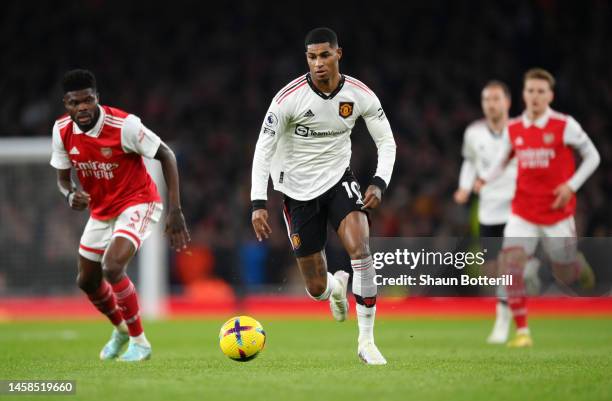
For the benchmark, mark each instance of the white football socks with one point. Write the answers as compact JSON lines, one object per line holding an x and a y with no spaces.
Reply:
{"x":365,"y":321}
{"x":363,"y":277}
{"x":365,"y":289}
{"x":524,"y":330}
{"x":332,"y":288}
{"x":141,"y":340}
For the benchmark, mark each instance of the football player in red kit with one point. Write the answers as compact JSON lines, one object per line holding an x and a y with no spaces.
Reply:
{"x":544,"y":203}
{"x":105,"y":147}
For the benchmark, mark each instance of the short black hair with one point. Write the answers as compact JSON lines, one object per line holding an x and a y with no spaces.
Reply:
{"x":321,"y":35}
{"x":78,"y":79}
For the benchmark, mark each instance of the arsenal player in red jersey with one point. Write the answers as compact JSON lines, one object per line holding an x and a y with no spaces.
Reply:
{"x":105,"y":146}
{"x":544,"y":203}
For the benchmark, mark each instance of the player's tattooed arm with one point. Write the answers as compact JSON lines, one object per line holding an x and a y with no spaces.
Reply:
{"x":76,"y":198}
{"x":176,"y":228}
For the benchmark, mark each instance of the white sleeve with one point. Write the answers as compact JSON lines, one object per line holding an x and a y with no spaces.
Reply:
{"x":468,"y":173}
{"x":59,"y":157}
{"x":500,"y":159}
{"x":136,"y":138}
{"x":273,"y":125}
{"x":380,"y":130}
{"x":575,"y":137}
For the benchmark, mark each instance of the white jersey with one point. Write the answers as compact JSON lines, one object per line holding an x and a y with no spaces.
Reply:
{"x":480,"y":147}
{"x":304,"y":143}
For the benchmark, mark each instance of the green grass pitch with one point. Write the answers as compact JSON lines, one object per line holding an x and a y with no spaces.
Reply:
{"x":304,"y":359}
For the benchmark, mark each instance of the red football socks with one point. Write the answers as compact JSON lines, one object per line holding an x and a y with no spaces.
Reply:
{"x":104,"y":300}
{"x":125,"y":292}
{"x":517,"y":300}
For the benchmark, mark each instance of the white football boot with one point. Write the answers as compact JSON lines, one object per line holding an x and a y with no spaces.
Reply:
{"x":370,"y":355}
{"x":338,"y":301}
{"x":501,"y":328}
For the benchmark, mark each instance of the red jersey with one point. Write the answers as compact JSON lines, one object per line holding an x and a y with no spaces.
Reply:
{"x":544,"y":162}
{"x":108,"y":160}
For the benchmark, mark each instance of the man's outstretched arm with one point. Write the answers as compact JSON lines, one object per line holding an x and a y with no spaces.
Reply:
{"x":176,"y":228}
{"x":260,"y":173}
{"x":76,"y":198}
{"x":381,"y":133}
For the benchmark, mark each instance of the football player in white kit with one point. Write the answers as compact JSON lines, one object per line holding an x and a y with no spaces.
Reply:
{"x":481,"y":143}
{"x":544,"y":142}
{"x":304,"y":145}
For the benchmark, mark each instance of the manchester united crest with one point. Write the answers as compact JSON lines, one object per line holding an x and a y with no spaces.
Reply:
{"x":106,"y":152}
{"x":296,"y":242}
{"x":346,"y":109}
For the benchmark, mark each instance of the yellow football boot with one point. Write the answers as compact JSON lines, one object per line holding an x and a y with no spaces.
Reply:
{"x":520,"y":341}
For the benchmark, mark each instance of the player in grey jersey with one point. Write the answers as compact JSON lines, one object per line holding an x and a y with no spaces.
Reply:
{"x":304,"y":146}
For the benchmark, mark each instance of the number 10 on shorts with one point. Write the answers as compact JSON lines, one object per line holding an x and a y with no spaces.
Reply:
{"x":353,"y":188}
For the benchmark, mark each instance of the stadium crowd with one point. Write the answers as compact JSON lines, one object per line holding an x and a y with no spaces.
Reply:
{"x":202,"y":78}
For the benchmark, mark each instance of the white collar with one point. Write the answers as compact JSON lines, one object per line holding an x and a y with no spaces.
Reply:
{"x":96,"y":129}
{"x":540,"y":122}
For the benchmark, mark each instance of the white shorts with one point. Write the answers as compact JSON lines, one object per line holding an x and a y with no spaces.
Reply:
{"x":135,"y":223}
{"x":559,"y":239}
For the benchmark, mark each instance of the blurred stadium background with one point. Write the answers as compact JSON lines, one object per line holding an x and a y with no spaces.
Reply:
{"x":203,"y":77}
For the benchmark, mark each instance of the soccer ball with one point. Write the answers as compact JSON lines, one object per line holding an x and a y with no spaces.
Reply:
{"x":242,"y":338}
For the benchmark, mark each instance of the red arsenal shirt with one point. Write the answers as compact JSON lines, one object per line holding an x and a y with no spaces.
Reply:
{"x":108,"y":160}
